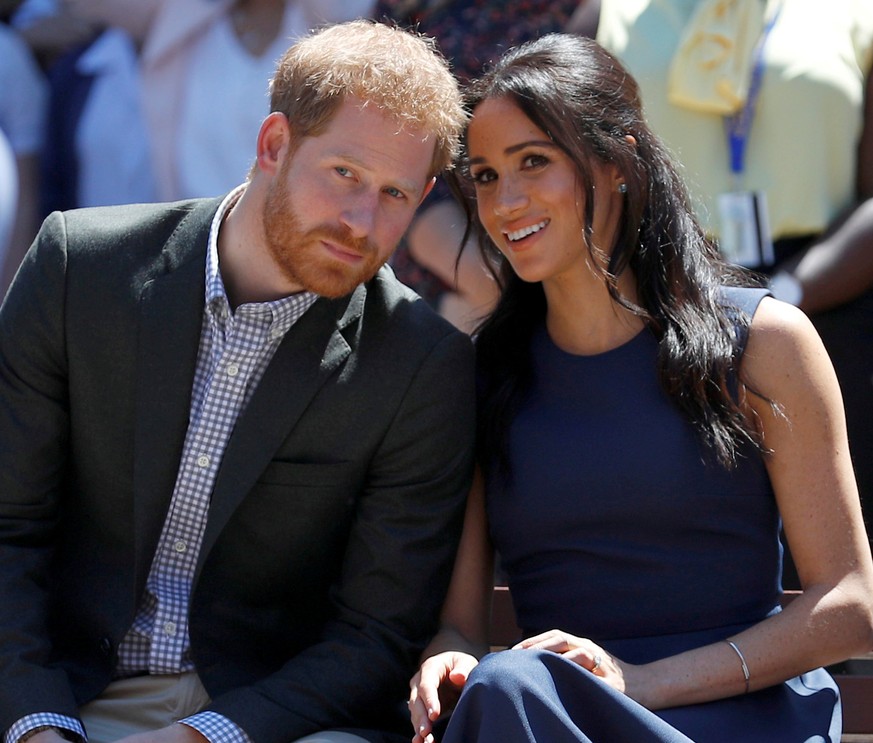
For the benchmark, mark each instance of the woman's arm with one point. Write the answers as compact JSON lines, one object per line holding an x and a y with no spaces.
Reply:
{"x":812,"y":477}
{"x":466,"y":613}
{"x":811,"y":472}
{"x":464,"y":621}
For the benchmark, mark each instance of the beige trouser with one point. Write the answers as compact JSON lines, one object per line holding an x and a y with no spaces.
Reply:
{"x":145,"y":703}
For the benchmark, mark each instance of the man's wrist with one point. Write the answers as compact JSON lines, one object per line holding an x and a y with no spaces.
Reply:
{"x":216,"y":728}
{"x":47,"y":725}
{"x":38,"y":729}
{"x":66,"y":734}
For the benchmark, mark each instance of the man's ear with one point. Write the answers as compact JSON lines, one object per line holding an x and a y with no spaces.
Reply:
{"x":274,"y":142}
{"x":427,"y":190}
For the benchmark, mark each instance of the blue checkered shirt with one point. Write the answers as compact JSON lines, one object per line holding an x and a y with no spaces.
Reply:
{"x":235,"y":349}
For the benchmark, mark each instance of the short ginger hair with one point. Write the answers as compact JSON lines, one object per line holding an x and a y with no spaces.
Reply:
{"x":401,"y":72}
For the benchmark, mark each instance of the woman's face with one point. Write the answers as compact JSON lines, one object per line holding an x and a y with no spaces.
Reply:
{"x":529,"y":197}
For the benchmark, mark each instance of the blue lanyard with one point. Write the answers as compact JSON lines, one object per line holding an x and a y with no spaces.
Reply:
{"x":739,"y":124}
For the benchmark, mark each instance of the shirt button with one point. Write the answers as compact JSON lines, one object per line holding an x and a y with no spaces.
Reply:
{"x":203,"y":461}
{"x":180,"y":546}
{"x":232,"y":369}
{"x":170,"y":629}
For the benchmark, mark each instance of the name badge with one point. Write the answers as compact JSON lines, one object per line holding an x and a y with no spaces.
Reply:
{"x":745,"y":229}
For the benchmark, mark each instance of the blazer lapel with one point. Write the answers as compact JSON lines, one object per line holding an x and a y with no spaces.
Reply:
{"x":310,"y":353}
{"x":171,"y":313}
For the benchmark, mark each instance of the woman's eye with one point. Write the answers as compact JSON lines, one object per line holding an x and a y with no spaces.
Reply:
{"x":482,"y":176}
{"x":535,"y":161}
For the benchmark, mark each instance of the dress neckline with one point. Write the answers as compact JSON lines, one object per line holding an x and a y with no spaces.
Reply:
{"x":630,"y":343}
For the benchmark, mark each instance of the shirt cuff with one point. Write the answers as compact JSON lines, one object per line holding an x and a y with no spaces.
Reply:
{"x":215,"y":728}
{"x":25,"y":724}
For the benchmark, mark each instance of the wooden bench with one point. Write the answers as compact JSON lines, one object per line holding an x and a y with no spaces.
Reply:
{"x":854,"y":677}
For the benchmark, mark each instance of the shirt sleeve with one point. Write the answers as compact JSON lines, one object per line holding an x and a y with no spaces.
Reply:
{"x":28,"y":723}
{"x":215,"y":728}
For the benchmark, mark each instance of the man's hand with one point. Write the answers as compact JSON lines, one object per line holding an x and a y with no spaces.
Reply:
{"x":176,"y":733}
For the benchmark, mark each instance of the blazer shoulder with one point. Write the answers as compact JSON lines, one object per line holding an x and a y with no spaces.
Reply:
{"x":396,"y":312}
{"x":112,"y":252}
{"x":105,"y":247}
{"x":130,"y":226}
{"x":405,"y":306}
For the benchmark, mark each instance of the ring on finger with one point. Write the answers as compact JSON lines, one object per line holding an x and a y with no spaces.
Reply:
{"x":598,"y":659}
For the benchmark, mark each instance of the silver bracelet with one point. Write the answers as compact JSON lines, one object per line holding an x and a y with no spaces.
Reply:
{"x":746,"y":673}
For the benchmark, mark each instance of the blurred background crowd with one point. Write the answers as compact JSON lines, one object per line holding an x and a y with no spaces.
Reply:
{"x":766,"y":104}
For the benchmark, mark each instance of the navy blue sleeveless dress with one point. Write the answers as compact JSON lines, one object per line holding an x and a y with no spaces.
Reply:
{"x":618,"y":526}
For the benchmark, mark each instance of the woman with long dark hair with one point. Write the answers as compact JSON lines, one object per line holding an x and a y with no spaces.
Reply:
{"x":648,"y":421}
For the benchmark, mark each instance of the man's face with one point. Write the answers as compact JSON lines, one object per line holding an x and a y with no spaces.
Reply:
{"x":340,"y":201}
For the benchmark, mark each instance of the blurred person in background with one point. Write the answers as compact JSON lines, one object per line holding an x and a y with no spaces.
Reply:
{"x":97,"y":150}
{"x":49,"y":28}
{"x":23,"y":100}
{"x":769,"y":108}
{"x":204,"y":68}
{"x":8,"y":192}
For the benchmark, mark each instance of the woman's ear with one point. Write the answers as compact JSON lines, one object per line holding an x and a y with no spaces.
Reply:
{"x":619,"y":181}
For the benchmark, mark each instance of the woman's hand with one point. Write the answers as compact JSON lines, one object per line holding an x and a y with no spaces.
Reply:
{"x":585,"y":653}
{"x":436,"y":688}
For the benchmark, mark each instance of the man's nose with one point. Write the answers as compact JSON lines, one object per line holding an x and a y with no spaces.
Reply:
{"x":359,"y":214}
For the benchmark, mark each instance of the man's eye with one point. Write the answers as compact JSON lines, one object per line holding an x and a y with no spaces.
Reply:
{"x":343,"y":171}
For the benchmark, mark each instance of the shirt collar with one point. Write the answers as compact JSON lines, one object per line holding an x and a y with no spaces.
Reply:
{"x":284,"y":312}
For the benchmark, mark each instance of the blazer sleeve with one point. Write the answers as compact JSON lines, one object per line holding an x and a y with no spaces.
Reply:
{"x":34,"y":433}
{"x":395,"y":572}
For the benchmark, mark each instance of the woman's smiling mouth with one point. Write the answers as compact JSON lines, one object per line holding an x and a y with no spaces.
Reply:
{"x":515,"y":235}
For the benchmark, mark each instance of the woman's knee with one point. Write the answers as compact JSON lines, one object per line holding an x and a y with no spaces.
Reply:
{"x":511,"y":669}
